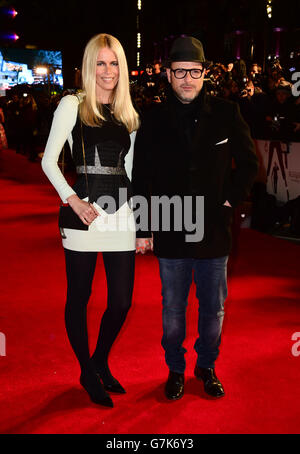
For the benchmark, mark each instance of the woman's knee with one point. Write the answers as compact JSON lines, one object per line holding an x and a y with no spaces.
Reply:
{"x":78,"y":296}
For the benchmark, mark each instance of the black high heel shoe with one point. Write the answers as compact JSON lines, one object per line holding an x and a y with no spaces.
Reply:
{"x":110,"y":383}
{"x":95,"y":390}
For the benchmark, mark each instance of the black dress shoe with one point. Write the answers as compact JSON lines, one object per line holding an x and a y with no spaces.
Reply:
{"x":110,"y":383}
{"x":92,"y":385}
{"x":174,"y":387}
{"x":212,"y":384}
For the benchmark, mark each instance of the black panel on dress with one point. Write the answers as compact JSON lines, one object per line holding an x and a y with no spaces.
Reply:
{"x":109,"y":144}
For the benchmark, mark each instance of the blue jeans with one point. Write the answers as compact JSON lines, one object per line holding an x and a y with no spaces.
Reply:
{"x":210,"y":277}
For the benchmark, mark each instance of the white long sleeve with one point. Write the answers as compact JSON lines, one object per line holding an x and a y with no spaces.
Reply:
{"x":63,"y":123}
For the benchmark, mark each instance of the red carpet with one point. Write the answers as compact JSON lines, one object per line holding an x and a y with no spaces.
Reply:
{"x":39,"y":389}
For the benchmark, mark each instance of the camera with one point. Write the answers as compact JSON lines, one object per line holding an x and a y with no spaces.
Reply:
{"x":276,"y":66}
{"x":275,"y":125}
{"x":281,"y":127}
{"x":244,"y":90}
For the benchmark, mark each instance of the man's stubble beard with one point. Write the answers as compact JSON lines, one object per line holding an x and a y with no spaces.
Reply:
{"x":183,"y":99}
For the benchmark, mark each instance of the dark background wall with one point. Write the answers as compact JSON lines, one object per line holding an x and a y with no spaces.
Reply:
{"x":68,"y":24}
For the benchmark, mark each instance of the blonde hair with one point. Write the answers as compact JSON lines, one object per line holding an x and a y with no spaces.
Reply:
{"x":91,"y":112}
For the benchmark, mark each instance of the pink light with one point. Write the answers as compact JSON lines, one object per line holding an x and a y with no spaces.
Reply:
{"x":277,"y":51}
{"x":238,"y":46}
{"x":9,"y":36}
{"x":12,"y":12}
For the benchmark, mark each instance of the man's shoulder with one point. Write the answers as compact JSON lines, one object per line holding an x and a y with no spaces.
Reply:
{"x":152,"y":112}
{"x":217,"y":103}
{"x":160,"y":111}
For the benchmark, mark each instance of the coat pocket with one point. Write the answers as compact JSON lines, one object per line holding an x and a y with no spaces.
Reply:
{"x":221,"y":142}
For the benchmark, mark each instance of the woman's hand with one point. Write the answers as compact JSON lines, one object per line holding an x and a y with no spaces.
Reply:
{"x":86,"y":211}
{"x":143,"y":245}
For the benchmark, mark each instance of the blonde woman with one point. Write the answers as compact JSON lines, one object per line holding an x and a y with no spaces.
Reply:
{"x":103,"y":118}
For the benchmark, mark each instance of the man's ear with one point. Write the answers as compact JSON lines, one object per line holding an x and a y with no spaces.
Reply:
{"x":168,"y":71}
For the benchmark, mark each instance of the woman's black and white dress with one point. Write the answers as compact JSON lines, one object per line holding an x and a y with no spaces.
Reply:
{"x":109,"y":155}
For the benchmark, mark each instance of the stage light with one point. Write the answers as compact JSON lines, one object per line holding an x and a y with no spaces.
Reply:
{"x":58,"y":71}
{"x":42,"y":70}
{"x":134,"y":73}
{"x":269,"y":8}
{"x":10,"y":36}
{"x":138,"y":43}
{"x":9,"y":11}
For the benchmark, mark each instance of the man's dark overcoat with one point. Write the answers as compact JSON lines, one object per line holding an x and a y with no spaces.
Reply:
{"x":203,"y":148}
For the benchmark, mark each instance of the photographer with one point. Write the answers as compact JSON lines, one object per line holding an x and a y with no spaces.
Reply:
{"x":253,"y":104}
{"x":255,"y":74}
{"x":230,"y":90}
{"x":148,"y":79}
{"x":214,"y":79}
{"x":283,"y":118}
{"x":239,"y":71}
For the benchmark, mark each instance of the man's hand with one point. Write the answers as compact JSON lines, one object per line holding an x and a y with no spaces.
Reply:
{"x":143,"y":245}
{"x":227,"y":204}
{"x":86,"y":212}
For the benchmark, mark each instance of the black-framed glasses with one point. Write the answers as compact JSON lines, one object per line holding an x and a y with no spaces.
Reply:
{"x":195,"y":73}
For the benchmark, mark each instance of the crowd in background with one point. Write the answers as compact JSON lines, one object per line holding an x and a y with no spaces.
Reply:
{"x":27,"y":114}
{"x":266,"y":101}
{"x":266,"y":98}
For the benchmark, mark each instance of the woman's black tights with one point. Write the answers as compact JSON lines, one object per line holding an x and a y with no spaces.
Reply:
{"x":80,"y":268}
